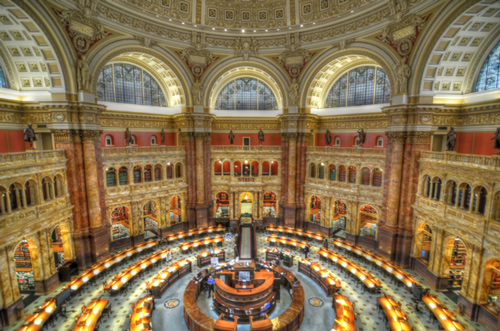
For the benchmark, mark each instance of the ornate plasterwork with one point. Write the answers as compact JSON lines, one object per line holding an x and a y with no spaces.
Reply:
{"x":247,"y":124}
{"x":294,"y":59}
{"x":246,"y":47}
{"x":133,"y":120}
{"x":83,"y":31}
{"x":355,"y":121}
{"x":197,"y":58}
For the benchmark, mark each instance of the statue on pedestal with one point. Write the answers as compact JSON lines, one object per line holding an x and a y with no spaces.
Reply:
{"x":328,"y":137}
{"x":362,"y":137}
{"x":29,"y":135}
{"x":451,"y":137}
{"x":496,"y":145}
{"x":261,"y":136}
{"x":231,"y":137}
{"x":129,"y":140}
{"x":162,"y":134}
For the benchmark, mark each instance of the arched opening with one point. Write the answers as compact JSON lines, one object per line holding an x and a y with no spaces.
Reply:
{"x":16,"y":197}
{"x":321,"y":171}
{"x":464,"y":193}
{"x":496,"y":207}
{"x":246,"y":168}
{"x":178,"y":170}
{"x":123,"y":176}
{"x":377,"y":177}
{"x":175,"y":210}
{"x":58,"y":186}
{"x":333,"y":172}
{"x":265,"y":168}
{"x":226,"y":168}
{"x":57,"y":247}
{"x":479,"y":200}
{"x":337,"y":141}
{"x":312,"y":170}
{"x":237,"y":168}
{"x":436,"y":188}
{"x":157,"y":172}
{"x":30,"y":190}
{"x":3,"y":201}
{"x":274,"y":168}
{"x":222,"y":205}
{"x":352,"y":175}
{"x":246,"y":205}
{"x":120,"y":223}
{"x":342,"y":174}
{"x":451,"y":192}
{"x":490,"y":293}
{"x":426,"y":186}
{"x":150,"y":214}
{"x":365,"y":176}
{"x":246,"y":93}
{"x":170,"y":173}
{"x":147,"y":173}
{"x":379,"y":142}
{"x":368,"y":219}
{"x":218,"y":168}
{"x":111,"y":177}
{"x":339,"y":216}
{"x":315,"y":210}
{"x":152,"y":140}
{"x":424,"y":242}
{"x":269,"y":204}
{"x":455,"y":257}
{"x":255,"y":168}
{"x":46,"y":189}
{"x":24,"y":268}
{"x":137,"y":173}
{"x":108,"y":141}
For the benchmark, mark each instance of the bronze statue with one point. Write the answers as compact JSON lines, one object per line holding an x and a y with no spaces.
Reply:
{"x":362,"y":137}
{"x":496,"y":145}
{"x":129,"y":140}
{"x":261,"y":136}
{"x":231,"y":137}
{"x":328,"y":137}
{"x":162,"y":134}
{"x":451,"y":137}
{"x":29,"y":135}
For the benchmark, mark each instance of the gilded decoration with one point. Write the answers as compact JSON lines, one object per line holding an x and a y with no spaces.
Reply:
{"x":375,"y":121}
{"x":245,"y":47}
{"x":197,"y":58}
{"x":250,"y":124}
{"x":294,"y":59}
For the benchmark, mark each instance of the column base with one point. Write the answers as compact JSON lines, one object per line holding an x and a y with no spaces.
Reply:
{"x":325,"y":231}
{"x":365,"y":242}
{"x":433,"y":281}
{"x":45,"y":286}
{"x":289,"y":216}
{"x":403,"y":250}
{"x":387,"y":243}
{"x":201,"y":216}
{"x":468,"y":308}
{"x":136,"y":240}
{"x":488,"y":319}
{"x":99,"y":243}
{"x":12,"y":313}
{"x":120,"y":244}
{"x":82,"y":250}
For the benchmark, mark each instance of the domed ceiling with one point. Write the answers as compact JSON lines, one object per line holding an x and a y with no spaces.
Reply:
{"x":254,"y":16}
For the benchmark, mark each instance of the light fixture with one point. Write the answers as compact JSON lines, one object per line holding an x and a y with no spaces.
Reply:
{"x":225,"y":30}
{"x":242,"y":30}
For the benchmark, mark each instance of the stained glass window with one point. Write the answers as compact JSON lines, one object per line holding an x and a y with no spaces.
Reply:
{"x":360,"y":86}
{"x":489,"y":76}
{"x":126,"y":83}
{"x":3,"y":82}
{"x":246,"y":94}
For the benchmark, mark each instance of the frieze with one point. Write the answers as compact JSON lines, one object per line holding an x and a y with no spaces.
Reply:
{"x":378,"y":121}
{"x":250,"y":124}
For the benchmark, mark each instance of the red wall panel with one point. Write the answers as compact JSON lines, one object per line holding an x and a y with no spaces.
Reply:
{"x":16,"y":141}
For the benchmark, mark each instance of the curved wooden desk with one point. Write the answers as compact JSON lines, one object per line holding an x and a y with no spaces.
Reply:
{"x":290,"y":320}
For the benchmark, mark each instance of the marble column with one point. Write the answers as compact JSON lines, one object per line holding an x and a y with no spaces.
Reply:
{"x":289,"y":214}
{"x":94,"y":183}
{"x":191,"y":180}
{"x":201,"y":175}
{"x":49,"y":279}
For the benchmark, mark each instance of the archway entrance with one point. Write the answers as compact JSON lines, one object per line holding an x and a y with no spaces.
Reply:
{"x":339,"y":216}
{"x":120,"y":223}
{"x":246,"y":205}
{"x":455,"y":258}
{"x":368,"y":219}
{"x":222,"y":205}
{"x":175,"y":210}
{"x":315,"y":210}
{"x":24,"y":268}
{"x":269,"y":204}
{"x":150,"y":220}
{"x":57,"y":247}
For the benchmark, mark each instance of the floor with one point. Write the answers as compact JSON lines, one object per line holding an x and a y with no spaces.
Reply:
{"x":319,"y":314}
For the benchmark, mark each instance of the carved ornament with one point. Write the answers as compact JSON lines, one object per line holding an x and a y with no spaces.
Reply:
{"x":197,"y":59}
{"x":396,"y":137}
{"x":245,"y":47}
{"x":294,"y":60}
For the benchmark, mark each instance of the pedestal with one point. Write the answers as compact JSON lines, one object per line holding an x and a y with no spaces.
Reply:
{"x":45,"y":286}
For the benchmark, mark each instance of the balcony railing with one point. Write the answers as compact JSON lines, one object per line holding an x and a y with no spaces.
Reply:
{"x":334,"y":151}
{"x":131,"y":151}
{"x":31,"y":157}
{"x":240,"y":148}
{"x":463,"y":160}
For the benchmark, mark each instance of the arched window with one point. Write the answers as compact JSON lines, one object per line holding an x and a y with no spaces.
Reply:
{"x":246,"y":168}
{"x":265,"y":168}
{"x":137,"y":174}
{"x":108,"y":140}
{"x":274,"y":168}
{"x":178,"y":170}
{"x":377,"y":177}
{"x":153,"y":140}
{"x":365,"y":176}
{"x":170,"y":173}
{"x":147,"y":173}
{"x":123,"y":176}
{"x":479,"y":200}
{"x":312,"y":170}
{"x":246,"y":94}
{"x":255,"y":168}
{"x":489,"y":76}
{"x":426,"y":186}
{"x":46,"y":189}
{"x":356,"y":141}
{"x":133,"y":140}
{"x":333,"y":172}
{"x":30,"y":193}
{"x":157,"y":172}
{"x":436,"y":188}
{"x":3,"y":81}
{"x":337,"y":141}
{"x":58,"y":186}
{"x":321,"y":171}
{"x":218,"y":168}
{"x":342,"y":174}
{"x":360,"y":86}
{"x":126,"y":83}
{"x":352,"y":175}
{"x":237,"y":168}
{"x":464,"y":192}
{"x":16,"y":197}
{"x":111,"y":177}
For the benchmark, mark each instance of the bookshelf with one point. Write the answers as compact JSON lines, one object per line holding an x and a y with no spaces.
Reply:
{"x":23,"y":267}
{"x":457,"y":265}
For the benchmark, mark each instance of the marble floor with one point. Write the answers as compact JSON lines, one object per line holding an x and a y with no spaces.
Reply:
{"x":317,"y":318}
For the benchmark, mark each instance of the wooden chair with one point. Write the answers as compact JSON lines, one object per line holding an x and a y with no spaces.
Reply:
{"x":221,"y":325}
{"x":262,"y":324}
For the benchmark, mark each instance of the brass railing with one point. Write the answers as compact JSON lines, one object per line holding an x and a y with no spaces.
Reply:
{"x":465,"y":160}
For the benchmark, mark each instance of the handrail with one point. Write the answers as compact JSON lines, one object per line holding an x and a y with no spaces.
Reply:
{"x":467,"y":160}
{"x":31,"y":156}
{"x":145,"y":150}
{"x":331,"y":150}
